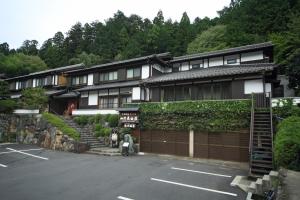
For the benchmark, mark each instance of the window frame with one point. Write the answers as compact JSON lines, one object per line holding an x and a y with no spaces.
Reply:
{"x":134,"y":75}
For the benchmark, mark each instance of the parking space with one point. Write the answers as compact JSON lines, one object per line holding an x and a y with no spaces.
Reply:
{"x":44,"y":174}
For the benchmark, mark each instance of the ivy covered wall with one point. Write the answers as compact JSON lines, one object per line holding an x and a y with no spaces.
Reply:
{"x":227,"y":115}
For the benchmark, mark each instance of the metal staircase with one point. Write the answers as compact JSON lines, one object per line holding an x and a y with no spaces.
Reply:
{"x":261,"y":136}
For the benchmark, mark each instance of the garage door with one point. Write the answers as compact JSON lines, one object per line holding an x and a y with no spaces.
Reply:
{"x":165,"y":142}
{"x":231,"y":146}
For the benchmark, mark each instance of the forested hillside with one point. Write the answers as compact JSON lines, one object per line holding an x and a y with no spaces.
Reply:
{"x":121,"y":37}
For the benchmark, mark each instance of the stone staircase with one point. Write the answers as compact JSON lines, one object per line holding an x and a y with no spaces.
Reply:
{"x":261,"y":156}
{"x":86,"y":133}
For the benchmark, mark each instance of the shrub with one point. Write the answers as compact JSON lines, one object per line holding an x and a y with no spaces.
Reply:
{"x":201,"y":115}
{"x":61,"y":125}
{"x":102,"y":131}
{"x":285,"y":108}
{"x":8,"y":105}
{"x":287,"y":143}
{"x":82,"y":120}
{"x":113,"y":120}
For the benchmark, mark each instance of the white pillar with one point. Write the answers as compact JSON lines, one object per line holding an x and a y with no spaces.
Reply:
{"x":191,"y":143}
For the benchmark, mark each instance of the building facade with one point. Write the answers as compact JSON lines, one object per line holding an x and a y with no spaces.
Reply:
{"x":232,"y":73}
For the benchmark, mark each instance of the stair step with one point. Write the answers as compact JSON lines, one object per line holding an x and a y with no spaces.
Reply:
{"x":262,"y":161}
{"x":256,"y":148}
{"x":259,"y":171}
{"x":266,"y":166}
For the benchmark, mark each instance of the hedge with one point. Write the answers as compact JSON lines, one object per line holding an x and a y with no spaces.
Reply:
{"x":213,"y":116}
{"x":287,"y":143}
{"x":61,"y":125}
{"x":8,"y":105}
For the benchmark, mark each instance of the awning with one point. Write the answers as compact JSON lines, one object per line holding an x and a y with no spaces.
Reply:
{"x":54,"y":92}
{"x":72,"y":94}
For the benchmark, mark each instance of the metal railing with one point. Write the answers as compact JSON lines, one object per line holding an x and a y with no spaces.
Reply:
{"x":271,"y":124}
{"x":251,"y":129}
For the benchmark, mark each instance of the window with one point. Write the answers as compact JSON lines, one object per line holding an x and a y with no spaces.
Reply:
{"x":103,"y":102}
{"x":126,"y":99}
{"x":40,"y":82}
{"x":79,"y":80}
{"x":134,"y":73}
{"x":169,"y":94}
{"x":109,"y":76}
{"x":195,"y":66}
{"x":113,"y":102}
{"x":232,"y":61}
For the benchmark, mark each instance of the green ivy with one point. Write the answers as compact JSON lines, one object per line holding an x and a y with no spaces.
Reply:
{"x":201,"y":115}
{"x":61,"y":125}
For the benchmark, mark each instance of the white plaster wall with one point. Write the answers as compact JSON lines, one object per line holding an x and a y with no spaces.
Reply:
{"x":93,"y":112}
{"x":56,"y":80}
{"x":215,"y":61}
{"x":147,"y":95}
{"x":253,"y":86}
{"x":136,"y":93}
{"x":34,"y":82}
{"x":53,"y":80}
{"x":145,"y":71}
{"x":184,"y":66}
{"x":205,"y":63}
{"x":93,"y":98}
{"x":26,"y":111}
{"x":90,"y":80}
{"x":16,"y":96}
{"x":257,"y":55}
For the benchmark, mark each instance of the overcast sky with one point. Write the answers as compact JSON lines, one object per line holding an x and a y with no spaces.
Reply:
{"x":41,"y":19}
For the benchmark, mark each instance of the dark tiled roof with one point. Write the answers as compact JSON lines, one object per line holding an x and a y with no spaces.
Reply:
{"x":59,"y":69}
{"x":224,"y":51}
{"x":218,"y":71}
{"x":161,"y":55}
{"x":110,"y":85}
{"x":67,"y":95}
{"x":54,"y":92}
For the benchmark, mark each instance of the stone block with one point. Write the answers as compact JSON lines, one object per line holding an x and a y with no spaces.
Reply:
{"x":252,"y":188}
{"x":266,"y":183}
{"x":274,"y":176}
{"x":259,"y":186}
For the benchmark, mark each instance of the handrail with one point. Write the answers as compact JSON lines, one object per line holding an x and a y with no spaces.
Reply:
{"x":251,"y":128}
{"x":271,"y":123}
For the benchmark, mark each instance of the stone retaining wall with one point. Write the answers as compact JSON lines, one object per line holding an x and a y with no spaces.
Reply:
{"x":33,"y":129}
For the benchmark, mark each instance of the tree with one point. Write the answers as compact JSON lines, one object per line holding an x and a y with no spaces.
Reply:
{"x":288,"y":52}
{"x":34,"y":98}
{"x":209,"y":40}
{"x":87,"y":59}
{"x":4,"y":48}
{"x":6,"y":105}
{"x":20,"y":64}
{"x":29,"y":47}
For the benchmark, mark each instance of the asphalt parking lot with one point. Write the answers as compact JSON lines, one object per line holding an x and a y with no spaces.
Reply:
{"x":28,"y":172}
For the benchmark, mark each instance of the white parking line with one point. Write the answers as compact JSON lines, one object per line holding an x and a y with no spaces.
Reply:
{"x":28,"y":154}
{"x":200,"y":172}
{"x":124,"y":198}
{"x":20,"y":150}
{"x":3,"y":165}
{"x":194,"y":187}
